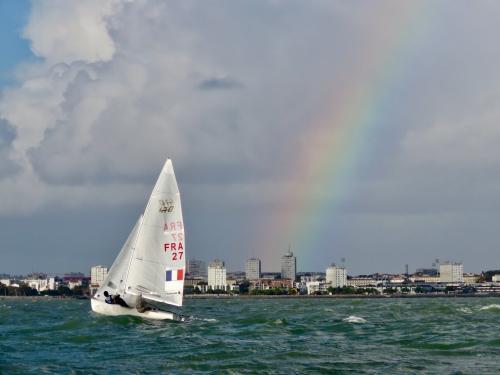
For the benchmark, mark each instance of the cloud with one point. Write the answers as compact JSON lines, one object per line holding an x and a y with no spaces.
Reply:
{"x":463,"y":143}
{"x":8,"y":167}
{"x":230,"y":93}
{"x":61,"y":31}
{"x":89,"y":117}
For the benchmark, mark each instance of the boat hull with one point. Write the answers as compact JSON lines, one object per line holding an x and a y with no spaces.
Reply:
{"x":104,"y":308}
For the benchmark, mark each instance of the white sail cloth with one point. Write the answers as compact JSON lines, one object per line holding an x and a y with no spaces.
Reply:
{"x":157,"y":266}
{"x":114,"y":281}
{"x":152,"y":262}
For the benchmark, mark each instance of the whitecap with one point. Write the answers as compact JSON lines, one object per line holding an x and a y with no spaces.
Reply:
{"x":494,"y":306}
{"x":354,"y":319}
{"x":465,"y":310}
{"x":210,"y":320}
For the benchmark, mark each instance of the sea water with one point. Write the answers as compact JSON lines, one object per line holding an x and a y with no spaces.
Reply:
{"x":249,"y":336}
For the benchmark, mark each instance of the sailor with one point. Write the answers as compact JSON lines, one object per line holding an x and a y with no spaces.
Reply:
{"x":108,"y":298}
{"x":141,"y":305}
{"x":119,"y":301}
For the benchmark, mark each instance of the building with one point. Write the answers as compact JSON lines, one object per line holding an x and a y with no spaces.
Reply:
{"x":427,"y":271}
{"x":308,"y":278}
{"x":217,"y":275}
{"x":72,"y":284}
{"x":252,"y":269}
{"x":336,"y":276}
{"x":97,"y":275}
{"x":265,"y":284}
{"x":470,"y":278}
{"x":451,"y":272}
{"x":236,"y":275}
{"x":362,"y":282}
{"x":76,"y":279}
{"x":53,"y":284}
{"x":288,"y":266}
{"x":232,"y":285}
{"x":196,"y":268}
{"x":198,"y":283}
{"x":314,"y":287}
{"x":424,"y":279}
{"x":39,"y":284}
{"x":495,"y":278}
{"x":270,"y":275}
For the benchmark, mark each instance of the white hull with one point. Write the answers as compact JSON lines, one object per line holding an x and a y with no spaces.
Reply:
{"x":104,"y":308}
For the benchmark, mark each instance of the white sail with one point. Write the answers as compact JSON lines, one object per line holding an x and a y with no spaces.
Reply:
{"x":157,"y":265}
{"x":114,"y":282}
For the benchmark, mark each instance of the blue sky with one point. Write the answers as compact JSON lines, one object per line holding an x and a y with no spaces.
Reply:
{"x":13,"y":18}
{"x":111,"y":88}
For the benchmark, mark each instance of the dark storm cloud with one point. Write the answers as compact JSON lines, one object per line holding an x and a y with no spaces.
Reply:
{"x":224,"y":83}
{"x":231,"y":93}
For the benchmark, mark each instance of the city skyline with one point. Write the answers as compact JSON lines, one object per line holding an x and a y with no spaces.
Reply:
{"x":201,"y":266}
{"x":372,"y":136}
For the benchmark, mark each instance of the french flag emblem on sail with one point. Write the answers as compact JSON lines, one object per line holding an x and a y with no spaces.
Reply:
{"x":174,"y":274}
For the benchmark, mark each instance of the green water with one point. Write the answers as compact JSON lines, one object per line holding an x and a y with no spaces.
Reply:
{"x":269,"y":336}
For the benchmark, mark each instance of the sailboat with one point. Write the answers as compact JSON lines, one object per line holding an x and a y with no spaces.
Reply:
{"x":150,"y":267}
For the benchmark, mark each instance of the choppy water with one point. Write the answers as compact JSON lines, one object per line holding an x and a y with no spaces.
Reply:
{"x":275,"y":336}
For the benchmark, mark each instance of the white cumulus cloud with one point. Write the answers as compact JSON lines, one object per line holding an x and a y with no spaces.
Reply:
{"x":67,"y":31}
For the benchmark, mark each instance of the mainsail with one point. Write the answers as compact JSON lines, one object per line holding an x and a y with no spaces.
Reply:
{"x":157,"y":262}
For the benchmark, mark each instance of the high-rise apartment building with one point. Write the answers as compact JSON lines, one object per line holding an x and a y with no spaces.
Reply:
{"x":336,"y":276}
{"x":97,"y":275}
{"x":196,"y":268}
{"x":252,"y":269}
{"x":451,"y":272}
{"x":288,"y":266}
{"x":217,"y":275}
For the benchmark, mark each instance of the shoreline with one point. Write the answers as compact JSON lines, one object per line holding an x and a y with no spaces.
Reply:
{"x":334,"y":296}
{"x":244,"y":297}
{"x":36,"y":298}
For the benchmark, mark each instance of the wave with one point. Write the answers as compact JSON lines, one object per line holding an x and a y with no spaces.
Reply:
{"x":465,"y":310}
{"x":494,"y":306}
{"x":354,"y":319}
{"x":194,"y":318}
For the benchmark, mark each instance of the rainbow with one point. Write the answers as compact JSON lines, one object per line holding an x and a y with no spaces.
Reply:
{"x":338,"y":139}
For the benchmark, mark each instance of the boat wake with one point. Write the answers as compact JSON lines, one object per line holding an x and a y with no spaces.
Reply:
{"x":196,"y":319}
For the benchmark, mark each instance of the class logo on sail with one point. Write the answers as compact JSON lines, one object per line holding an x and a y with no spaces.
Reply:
{"x":166,"y":205}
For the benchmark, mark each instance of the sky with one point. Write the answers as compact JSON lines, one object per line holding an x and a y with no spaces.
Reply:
{"x":363,"y":133}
